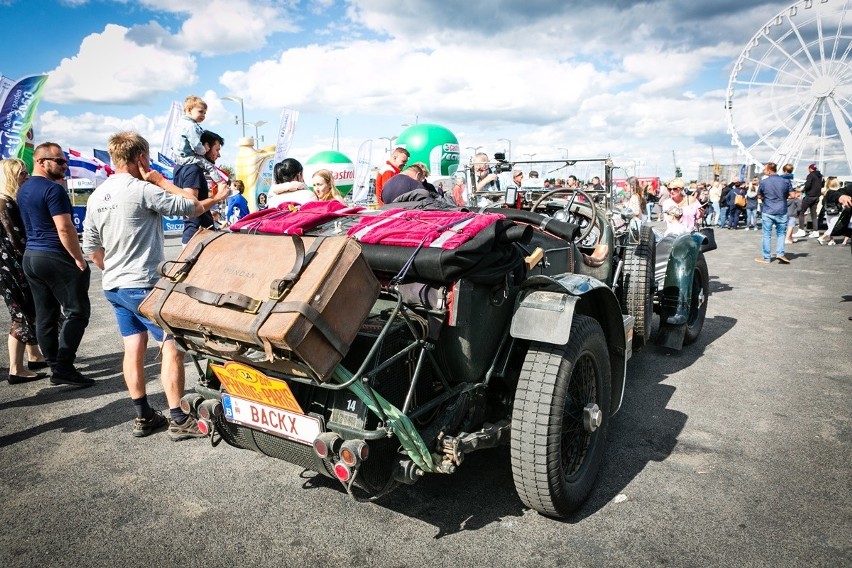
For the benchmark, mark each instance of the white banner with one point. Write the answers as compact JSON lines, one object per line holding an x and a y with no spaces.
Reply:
{"x":286,"y":130}
{"x":361,"y":187}
{"x":175,"y":113}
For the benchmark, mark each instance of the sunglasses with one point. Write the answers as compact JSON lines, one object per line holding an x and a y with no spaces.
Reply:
{"x":58,"y":161}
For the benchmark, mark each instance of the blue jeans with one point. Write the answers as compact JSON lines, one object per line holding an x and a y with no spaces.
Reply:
{"x":751,"y":218}
{"x":723,"y":216}
{"x":780,"y":224}
{"x":716,"y":213}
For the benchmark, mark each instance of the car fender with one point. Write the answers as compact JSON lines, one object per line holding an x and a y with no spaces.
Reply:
{"x":545,"y":309}
{"x":677,"y":284}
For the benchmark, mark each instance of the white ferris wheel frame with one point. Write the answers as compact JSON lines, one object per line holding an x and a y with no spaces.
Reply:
{"x":823,"y":88}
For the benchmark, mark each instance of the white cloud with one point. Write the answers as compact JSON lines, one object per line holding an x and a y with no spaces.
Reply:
{"x":89,"y":130}
{"x":217,"y":27}
{"x":110,"y":69}
{"x":396,"y":78}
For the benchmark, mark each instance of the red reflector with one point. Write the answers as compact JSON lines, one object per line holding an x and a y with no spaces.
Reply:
{"x":320,"y":448}
{"x":342,"y":472}
{"x":204,"y":427}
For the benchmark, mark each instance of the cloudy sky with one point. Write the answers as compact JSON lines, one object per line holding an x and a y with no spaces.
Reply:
{"x":635,"y":79}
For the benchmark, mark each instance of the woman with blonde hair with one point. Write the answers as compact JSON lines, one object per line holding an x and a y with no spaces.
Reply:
{"x":323,"y":184}
{"x":16,"y":290}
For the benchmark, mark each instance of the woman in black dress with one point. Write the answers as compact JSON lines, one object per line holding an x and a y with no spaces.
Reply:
{"x":16,"y":291}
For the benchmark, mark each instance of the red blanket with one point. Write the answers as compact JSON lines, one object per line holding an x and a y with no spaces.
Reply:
{"x":410,"y":228}
{"x":295,"y":220}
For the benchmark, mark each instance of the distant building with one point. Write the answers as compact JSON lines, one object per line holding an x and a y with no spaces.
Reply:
{"x":726,"y":172}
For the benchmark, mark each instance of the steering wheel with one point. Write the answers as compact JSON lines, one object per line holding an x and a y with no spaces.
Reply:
{"x":591,"y":203}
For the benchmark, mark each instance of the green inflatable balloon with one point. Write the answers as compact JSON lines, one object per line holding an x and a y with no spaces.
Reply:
{"x":342,"y":169}
{"x":433,"y":145}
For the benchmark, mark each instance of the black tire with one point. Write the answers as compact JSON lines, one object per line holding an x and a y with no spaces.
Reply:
{"x":698,"y":301}
{"x":637,"y":285}
{"x":555,"y":459}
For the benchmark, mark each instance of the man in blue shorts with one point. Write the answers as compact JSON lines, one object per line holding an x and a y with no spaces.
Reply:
{"x":123,"y":235}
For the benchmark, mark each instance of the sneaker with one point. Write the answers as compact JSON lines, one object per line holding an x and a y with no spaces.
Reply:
{"x":800,"y":233}
{"x":813,"y":234}
{"x":831,"y":243}
{"x":185,"y":431}
{"x":789,"y":242}
{"x":762,"y":260}
{"x":783,"y":259}
{"x":145,"y":426}
{"x":73,"y":377}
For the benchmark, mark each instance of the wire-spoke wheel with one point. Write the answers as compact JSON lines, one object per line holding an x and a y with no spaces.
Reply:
{"x":560,"y":419}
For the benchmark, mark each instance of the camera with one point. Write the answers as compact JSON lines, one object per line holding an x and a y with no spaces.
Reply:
{"x":502,"y":165}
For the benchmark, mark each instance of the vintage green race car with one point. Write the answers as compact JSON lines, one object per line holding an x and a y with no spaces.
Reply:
{"x":521,"y":336}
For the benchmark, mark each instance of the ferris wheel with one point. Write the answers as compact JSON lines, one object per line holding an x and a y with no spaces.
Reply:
{"x":789,"y":97}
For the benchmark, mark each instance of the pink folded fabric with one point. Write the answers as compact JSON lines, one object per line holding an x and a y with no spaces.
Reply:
{"x":410,"y":228}
{"x":292,"y":218}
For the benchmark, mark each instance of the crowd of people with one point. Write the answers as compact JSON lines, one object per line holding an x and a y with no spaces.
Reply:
{"x":768,"y":203}
{"x":45,"y":273}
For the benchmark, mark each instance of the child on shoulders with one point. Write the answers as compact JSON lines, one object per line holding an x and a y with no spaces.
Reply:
{"x":187,"y":146}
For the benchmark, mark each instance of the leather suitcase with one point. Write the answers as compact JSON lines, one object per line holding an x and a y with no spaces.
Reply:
{"x":266,"y":299}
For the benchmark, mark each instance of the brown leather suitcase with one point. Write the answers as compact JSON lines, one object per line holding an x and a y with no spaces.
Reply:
{"x":268,"y":299}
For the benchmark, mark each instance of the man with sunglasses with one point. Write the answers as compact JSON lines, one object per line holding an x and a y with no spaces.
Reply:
{"x":54,"y":265}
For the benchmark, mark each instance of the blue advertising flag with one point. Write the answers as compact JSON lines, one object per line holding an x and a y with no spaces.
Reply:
{"x":16,"y":113}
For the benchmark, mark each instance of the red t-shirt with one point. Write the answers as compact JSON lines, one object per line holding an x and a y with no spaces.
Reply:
{"x":385,"y":173}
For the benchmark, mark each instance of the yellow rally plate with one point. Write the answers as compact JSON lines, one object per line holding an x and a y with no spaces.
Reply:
{"x":246,"y":382}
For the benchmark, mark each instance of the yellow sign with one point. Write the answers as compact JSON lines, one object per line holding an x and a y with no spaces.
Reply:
{"x":243,"y":381}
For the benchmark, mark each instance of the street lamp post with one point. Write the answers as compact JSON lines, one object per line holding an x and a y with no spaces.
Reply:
{"x":509,"y":151}
{"x":242,"y":110}
{"x":475,"y":149}
{"x":257,"y":124}
{"x":636,"y":164}
{"x":529,"y":159}
{"x":390,"y":140}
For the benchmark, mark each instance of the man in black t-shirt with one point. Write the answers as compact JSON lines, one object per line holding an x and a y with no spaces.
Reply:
{"x":191,"y":178}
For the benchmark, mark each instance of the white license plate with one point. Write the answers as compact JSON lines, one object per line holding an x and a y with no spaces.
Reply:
{"x":297,"y":427}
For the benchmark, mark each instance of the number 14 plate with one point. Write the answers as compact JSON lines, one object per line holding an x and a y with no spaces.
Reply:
{"x":296,"y":427}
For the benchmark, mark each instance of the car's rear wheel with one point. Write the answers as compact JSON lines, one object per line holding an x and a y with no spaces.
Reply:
{"x":698,"y":300}
{"x":560,"y":419}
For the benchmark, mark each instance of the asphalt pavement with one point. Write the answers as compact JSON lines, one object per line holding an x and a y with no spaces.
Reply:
{"x":736,"y":451}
